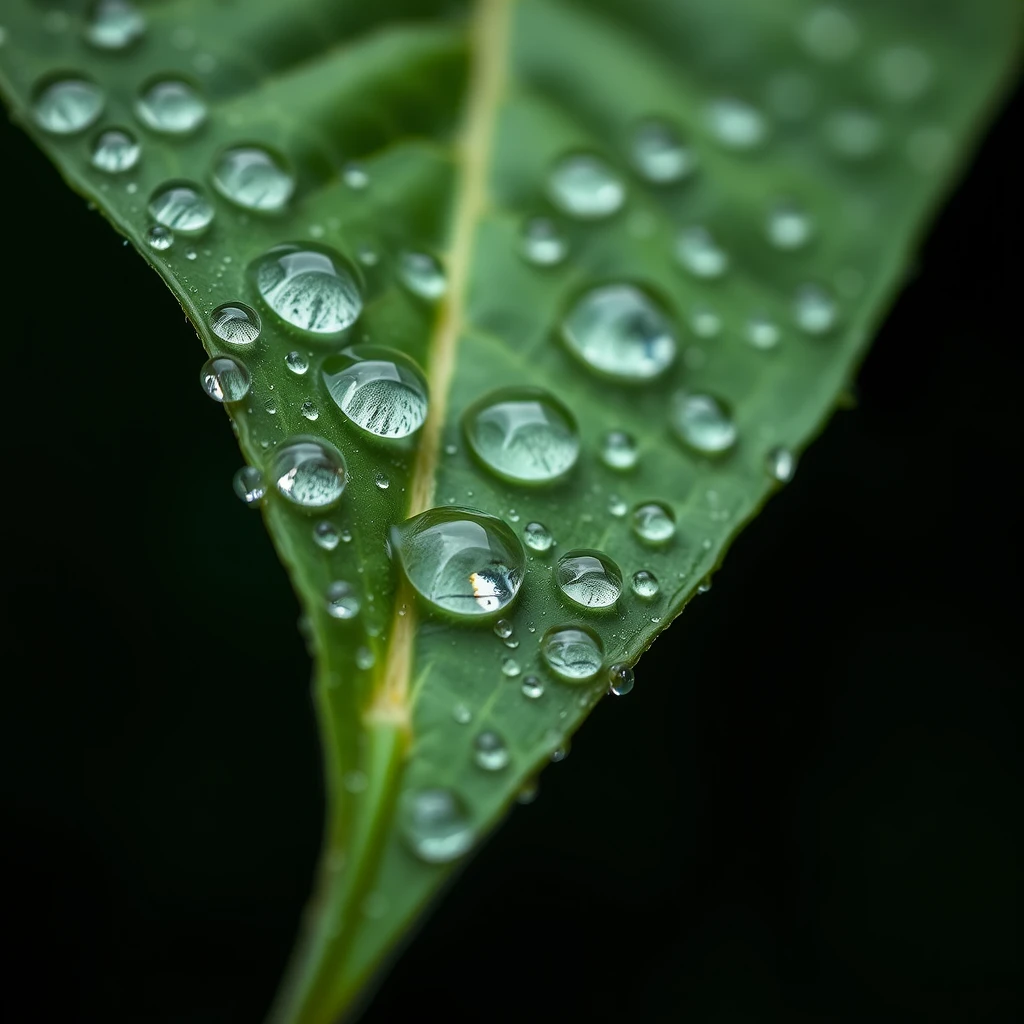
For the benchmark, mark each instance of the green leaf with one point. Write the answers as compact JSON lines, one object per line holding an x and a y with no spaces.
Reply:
{"x":743,"y":182}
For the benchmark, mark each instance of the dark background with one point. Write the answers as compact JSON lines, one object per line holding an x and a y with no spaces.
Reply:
{"x":806,"y":811}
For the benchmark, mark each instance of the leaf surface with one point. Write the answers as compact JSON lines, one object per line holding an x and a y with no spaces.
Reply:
{"x":435,"y":129}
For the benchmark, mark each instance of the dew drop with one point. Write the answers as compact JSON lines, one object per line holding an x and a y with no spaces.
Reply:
{"x":619,"y":332}
{"x":254,"y":178}
{"x":380,"y":390}
{"x":354,"y":176}
{"x":853,"y":134}
{"x":582,"y":185}
{"x":620,"y":679}
{"x":490,"y":751}
{"x":524,"y":435}
{"x":308,"y":286}
{"x":309,"y":410}
{"x":705,"y":323}
{"x":503,"y":629}
{"x":829,"y":33}
{"x":436,"y":825}
{"x":616,"y":506}
{"x":814,"y":309}
{"x":762,"y":332}
{"x":114,"y":25}
{"x":510,"y":667}
{"x":780,"y":464}
{"x":65,"y":106}
{"x":588,"y":578}
{"x":904,"y":73}
{"x":170,"y":106}
{"x":309,"y":473}
{"x":659,"y":153}
{"x":703,"y":423}
{"x":654,"y":523}
{"x":159,"y":238}
{"x":538,"y":537}
{"x":235,"y":323}
{"x":365,"y":658}
{"x":422,"y":274}
{"x":698,"y":253}
{"x":645,"y":584}
{"x":381,"y":482}
{"x":248,"y":485}
{"x":224,"y":380}
{"x":114,"y":151}
{"x":341,"y":601}
{"x":737,"y":125}
{"x":573,"y":653}
{"x":297,"y":363}
{"x":619,"y":450}
{"x":460,"y":561}
{"x":181,"y":207}
{"x":788,"y":227}
{"x":542,"y":243}
{"x":462,"y":714}
{"x":532,"y":687}
{"x":326,"y":535}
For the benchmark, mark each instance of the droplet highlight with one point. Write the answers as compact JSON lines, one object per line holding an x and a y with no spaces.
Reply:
{"x":659,"y":154}
{"x":542,"y":243}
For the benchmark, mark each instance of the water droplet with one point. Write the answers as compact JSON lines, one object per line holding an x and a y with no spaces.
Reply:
{"x":341,"y":601}
{"x":224,"y":380}
{"x":704,"y":586}
{"x":698,"y":252}
{"x":705,"y":323}
{"x":538,"y":537}
{"x":645,"y":584}
{"x":308,"y":286}
{"x":365,"y":658}
{"x":115,"y":150}
{"x":788,"y":226}
{"x":582,"y":185}
{"x":510,"y":667}
{"x":422,"y":274}
{"x":542,"y":243}
{"x":181,"y":207}
{"x":249,"y":486}
{"x":762,"y":332}
{"x":659,"y":154}
{"x":654,"y":523}
{"x":114,"y":25}
{"x":462,"y":714}
{"x":814,"y":309}
{"x":159,"y":238}
{"x":490,"y":751}
{"x":235,"y":323}
{"x":737,"y":125}
{"x":780,"y":464}
{"x":618,"y":331}
{"x":524,"y":435}
{"x":354,"y":176}
{"x":310,"y":473}
{"x":904,"y":73}
{"x":532,"y":687}
{"x":616,"y":506}
{"x":854,"y":134}
{"x":460,"y":561}
{"x":503,"y":629}
{"x":436,"y":825}
{"x":254,"y":178}
{"x":309,"y":410}
{"x":588,"y":578}
{"x":326,"y":535}
{"x":64,"y":106}
{"x":829,"y":33}
{"x":379,"y":389}
{"x":620,"y":679}
{"x":619,"y":450}
{"x":703,"y":423}
{"x":170,"y":106}
{"x":297,"y":363}
{"x":573,"y":653}
{"x":559,"y":753}
{"x":381,"y":482}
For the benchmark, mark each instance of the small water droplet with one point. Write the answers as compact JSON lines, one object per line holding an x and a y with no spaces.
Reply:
{"x":235,"y":323}
{"x":559,"y":753}
{"x":523,"y":435}
{"x":645,"y":584}
{"x":326,"y":535}
{"x":616,"y":506}
{"x":654,"y":523}
{"x":538,"y":537}
{"x":181,"y":207}
{"x":354,"y":176}
{"x":814,"y":309}
{"x":309,"y":410}
{"x":532,"y":687}
{"x":573,"y":653}
{"x":619,"y":450}
{"x":698,"y":253}
{"x":341,"y":601}
{"x":249,"y":486}
{"x":542,"y":243}
{"x":309,"y":473}
{"x":67,"y":105}
{"x":620,"y":679}
{"x":588,"y":578}
{"x":365,"y":658}
{"x":114,"y":25}
{"x":703,"y":423}
{"x":381,"y":482}
{"x":490,"y":751}
{"x":780,"y":464}
{"x":736,"y":124}
{"x":510,"y":667}
{"x":853,"y":134}
{"x":436,"y":825}
{"x":659,"y":154}
{"x":582,"y":185}
{"x":170,"y":106}
{"x":254,"y":178}
{"x":762,"y":332}
{"x":159,"y":238}
{"x":788,"y":227}
{"x":829,"y":33}
{"x":904,"y":73}
{"x":705,"y":323}
{"x":503,"y":629}
{"x":114,"y":151}
{"x":297,"y":363}
{"x":224,"y":379}
{"x":619,"y":332}
{"x":422,"y":274}
{"x":704,"y":586}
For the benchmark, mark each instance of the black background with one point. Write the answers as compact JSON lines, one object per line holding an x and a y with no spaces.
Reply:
{"x":806,"y":810}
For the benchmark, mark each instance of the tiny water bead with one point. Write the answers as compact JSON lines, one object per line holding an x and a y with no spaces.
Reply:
{"x":460,"y":560}
{"x":904,"y":73}
{"x":308,"y":286}
{"x":114,"y":25}
{"x":297,"y":363}
{"x":645,"y":584}
{"x":619,"y":450}
{"x":354,"y":175}
{"x":462,"y":714}
{"x":654,"y":523}
{"x":588,"y":578}
{"x":583,"y":186}
{"x":170,"y":106}
{"x":532,"y":687}
{"x":309,"y":473}
{"x":542,"y":243}
{"x":618,"y":331}
{"x":436,"y":825}
{"x":853,"y":134}
{"x":780,"y":464}
{"x":181,"y":207}
{"x":249,"y":486}
{"x":490,"y":751}
{"x":341,"y":600}
{"x":235,"y":323}
{"x":829,"y":33}
{"x":159,"y":238}
{"x":524,"y":435}
{"x":762,"y":332}
{"x":114,"y":151}
{"x":703,"y":423}
{"x":422,"y":274}
{"x":659,"y":154}
{"x":620,"y":679}
{"x":788,"y":227}
{"x":381,"y":482}
{"x":254,"y":178}
{"x":503,"y":629}
{"x":309,"y":410}
{"x":325,"y":535}
{"x":510,"y":667}
{"x":538,"y":537}
{"x":65,"y":106}
{"x":736,"y":124}
{"x":380,"y":390}
{"x":224,"y":380}
{"x":573,"y":653}
{"x":705,"y":323}
{"x":814,"y":309}
{"x":700,"y":254}
{"x":616,"y":506}
{"x":365,"y":658}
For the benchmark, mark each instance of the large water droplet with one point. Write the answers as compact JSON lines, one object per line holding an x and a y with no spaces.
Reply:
{"x":248,"y":485}
{"x":582,"y":185}
{"x":618,"y":331}
{"x":64,"y":106}
{"x":588,"y":578}
{"x":788,"y":226}
{"x":736,"y":124}
{"x":490,"y":751}
{"x":854,"y":134}
{"x":904,"y":73}
{"x":538,"y":537}
{"x":114,"y":151}
{"x":310,"y":473}
{"x":645,"y":584}
{"x":703,"y":423}
{"x":181,"y":207}
{"x":379,"y":389}
{"x":422,"y":274}
{"x":659,"y":154}
{"x":698,"y":252}
{"x":341,"y":600}
{"x":254,"y":178}
{"x":308,"y":286}
{"x":620,"y":679}
{"x":436,"y":825}
{"x":619,"y":450}
{"x":780,"y":464}
{"x":814,"y":309}
{"x":542,"y":243}
{"x":114,"y":25}
{"x":829,"y":33}
{"x":235,"y":323}
{"x":523,"y":434}
{"x":654,"y":523}
{"x":460,"y":560}
{"x":573,"y":653}
{"x":224,"y":380}
{"x":170,"y":106}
